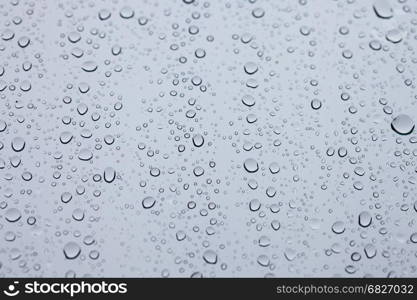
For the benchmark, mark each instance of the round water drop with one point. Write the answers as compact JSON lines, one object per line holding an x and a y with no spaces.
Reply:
{"x":148,"y":202}
{"x":198,"y":140}
{"x":143,"y":21}
{"x":3,"y":85}
{"x":275,"y":224}
{"x":200,"y":53}
{"x":82,"y":109}
{"x":383,"y":9}
{"x":375,"y":45}
{"x":251,"y":165}
{"x":25,"y":86}
{"x":394,"y":36}
{"x":248,"y":100}
{"x":338,"y":227}
{"x":83,"y":87}
{"x":258,"y":12}
{"x":74,"y":37}
{"x":13,"y":215}
{"x":127,"y":12}
{"x":85,"y":154}
{"x":370,"y":251}
{"x":116,"y":50}
{"x":66,"y":197}
{"x":180,"y":235}
{"x":365,"y":219}
{"x":71,"y":250}
{"x":89,"y":66}
{"x":250,"y":68}
{"x":402,"y":124}
{"x":254,"y":205}
{"x":413,"y":238}
{"x":104,"y":14}
{"x":210,"y":257}
{"x":109,"y":174}
{"x":315,"y":104}
{"x":7,"y":34}
{"x":3,"y":125}
{"x":264,"y":241}
{"x":263,"y":260}
{"x":274,"y":168}
{"x":78,"y":214}
{"x":198,"y":171}
{"x":23,"y":42}
{"x":18,"y":144}
{"x":290,"y":254}
{"x":65,"y":137}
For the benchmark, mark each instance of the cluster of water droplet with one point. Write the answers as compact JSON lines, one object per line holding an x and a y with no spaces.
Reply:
{"x":208,"y":138}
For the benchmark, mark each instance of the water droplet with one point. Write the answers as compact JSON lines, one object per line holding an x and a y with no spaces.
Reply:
{"x":65,"y":137}
{"x":13,"y":215}
{"x":18,"y":144}
{"x":71,"y":250}
{"x":383,"y":9}
{"x":127,"y":12}
{"x":198,"y":140}
{"x":109,"y":174}
{"x":250,"y":68}
{"x":210,"y":257}
{"x":394,"y":36}
{"x":89,"y":66}
{"x":258,"y":12}
{"x":66,"y":197}
{"x":338,"y":227}
{"x":402,"y":124}
{"x":148,"y":202}
{"x":315,"y":104}
{"x":85,"y":154}
{"x":263,"y":260}
{"x":251,"y":165}
{"x":104,"y":14}
{"x":365,"y":219}
{"x":254,"y":205}
{"x":248,"y":100}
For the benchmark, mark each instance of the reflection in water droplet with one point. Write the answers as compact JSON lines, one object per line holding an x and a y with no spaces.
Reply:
{"x":71,"y":250}
{"x":402,"y":124}
{"x":127,"y":12}
{"x":251,"y":165}
{"x":85,"y":154}
{"x":89,"y":66}
{"x":198,"y":140}
{"x":338,"y":227}
{"x":109,"y":174}
{"x":13,"y":215}
{"x":18,"y":144}
{"x":383,"y":9}
{"x":250,"y":68}
{"x":210,"y":257}
{"x":365,"y":219}
{"x":394,"y":36}
{"x":148,"y":202}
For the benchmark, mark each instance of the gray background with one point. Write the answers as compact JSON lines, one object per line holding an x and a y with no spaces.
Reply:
{"x":150,"y":101}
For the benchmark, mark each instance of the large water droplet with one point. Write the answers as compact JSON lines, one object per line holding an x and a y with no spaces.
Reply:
{"x":71,"y":250}
{"x":365,"y":219}
{"x":13,"y":215}
{"x":18,"y":144}
{"x":210,"y":257}
{"x":383,"y":9}
{"x":251,"y":165}
{"x":148,"y":202}
{"x":402,"y":124}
